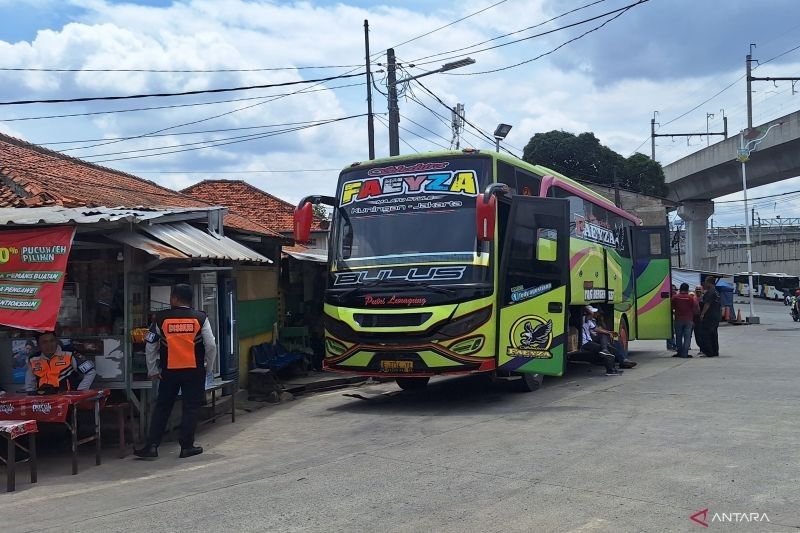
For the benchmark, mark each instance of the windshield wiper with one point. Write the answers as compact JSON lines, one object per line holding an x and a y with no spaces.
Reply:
{"x":397,"y":283}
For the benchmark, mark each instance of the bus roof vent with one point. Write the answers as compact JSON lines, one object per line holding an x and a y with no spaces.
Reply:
{"x":355,"y":164}
{"x":470,"y":151}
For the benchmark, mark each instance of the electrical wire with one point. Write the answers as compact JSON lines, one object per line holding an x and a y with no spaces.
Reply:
{"x":449,"y":52}
{"x":282,"y":171}
{"x":487,"y":8}
{"x":198,"y":71}
{"x":548,"y":32}
{"x":618,"y":12}
{"x":251,"y":138}
{"x":184,"y":93}
{"x":381,"y":120}
{"x":174,"y":106}
{"x":220,"y":130}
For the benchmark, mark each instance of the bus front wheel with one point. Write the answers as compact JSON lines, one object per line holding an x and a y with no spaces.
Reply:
{"x":528,"y":382}
{"x":412,"y":383}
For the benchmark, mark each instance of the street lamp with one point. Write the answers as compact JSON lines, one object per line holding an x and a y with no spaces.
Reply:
{"x":392,"y":83}
{"x":743,"y":156}
{"x":500,"y":133}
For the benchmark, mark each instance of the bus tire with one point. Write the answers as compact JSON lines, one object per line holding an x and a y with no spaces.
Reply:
{"x":624,"y":335}
{"x":528,"y":382}
{"x":412,"y":383}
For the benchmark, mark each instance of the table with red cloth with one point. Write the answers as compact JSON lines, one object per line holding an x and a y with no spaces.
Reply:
{"x":12,"y":430}
{"x":61,"y":408}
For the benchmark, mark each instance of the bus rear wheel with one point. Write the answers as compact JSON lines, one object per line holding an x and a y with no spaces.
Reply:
{"x":412,"y":383}
{"x":528,"y":382}
{"x":623,"y":334}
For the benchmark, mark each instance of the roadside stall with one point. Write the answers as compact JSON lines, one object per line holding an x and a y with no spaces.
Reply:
{"x":112,"y":269}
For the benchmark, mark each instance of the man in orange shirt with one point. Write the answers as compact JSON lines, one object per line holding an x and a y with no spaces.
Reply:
{"x":180,"y":349}
{"x":684,"y":307}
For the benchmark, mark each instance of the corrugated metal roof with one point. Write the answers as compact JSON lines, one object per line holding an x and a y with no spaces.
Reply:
{"x":201,"y":245}
{"x":321,"y":257}
{"x":21,"y":216}
{"x":152,"y":247}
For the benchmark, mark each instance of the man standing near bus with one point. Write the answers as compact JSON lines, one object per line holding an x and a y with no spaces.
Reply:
{"x":684,"y":305}
{"x":710,"y":316}
{"x":180,"y":347}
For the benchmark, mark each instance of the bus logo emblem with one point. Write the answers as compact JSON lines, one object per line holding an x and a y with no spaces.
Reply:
{"x":531,"y":336}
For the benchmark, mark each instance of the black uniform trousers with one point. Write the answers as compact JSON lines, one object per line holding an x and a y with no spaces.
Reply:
{"x":710,"y":336}
{"x":191,"y":383}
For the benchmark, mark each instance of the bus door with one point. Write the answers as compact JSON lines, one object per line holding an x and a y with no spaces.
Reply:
{"x":533,"y":286}
{"x":651,"y":270}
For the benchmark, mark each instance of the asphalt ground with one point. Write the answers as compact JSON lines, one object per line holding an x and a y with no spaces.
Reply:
{"x":640,"y":452}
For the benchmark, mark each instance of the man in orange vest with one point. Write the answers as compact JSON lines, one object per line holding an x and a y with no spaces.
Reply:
{"x":54,"y":369}
{"x":180,"y":348}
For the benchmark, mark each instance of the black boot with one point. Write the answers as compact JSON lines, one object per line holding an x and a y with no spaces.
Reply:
{"x":149,"y":451}
{"x":190,"y":451}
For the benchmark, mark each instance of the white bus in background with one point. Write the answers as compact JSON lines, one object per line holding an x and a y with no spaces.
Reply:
{"x":741,"y":283}
{"x":775,"y":285}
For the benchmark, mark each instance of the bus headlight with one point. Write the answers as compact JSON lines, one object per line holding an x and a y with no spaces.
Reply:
{"x":464,"y":324}
{"x":468,"y":346}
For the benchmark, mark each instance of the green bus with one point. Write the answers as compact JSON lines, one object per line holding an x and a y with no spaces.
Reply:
{"x":476,"y":262}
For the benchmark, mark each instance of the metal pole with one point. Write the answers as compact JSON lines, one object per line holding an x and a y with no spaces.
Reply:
{"x":748,"y":62}
{"x":752,"y":319}
{"x":653,"y":139}
{"x":370,"y":123}
{"x":497,"y":144}
{"x":394,"y":112}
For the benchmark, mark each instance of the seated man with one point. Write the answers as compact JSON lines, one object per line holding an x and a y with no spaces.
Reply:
{"x":53,"y":369}
{"x":589,"y":344}
{"x":609,"y":340}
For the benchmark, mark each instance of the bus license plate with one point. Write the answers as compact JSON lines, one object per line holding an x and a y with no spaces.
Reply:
{"x":397,"y":366}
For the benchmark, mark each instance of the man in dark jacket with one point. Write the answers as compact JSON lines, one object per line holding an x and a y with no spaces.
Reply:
{"x":710,"y":316}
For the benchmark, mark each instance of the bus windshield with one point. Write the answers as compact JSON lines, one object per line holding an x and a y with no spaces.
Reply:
{"x":417,"y":213}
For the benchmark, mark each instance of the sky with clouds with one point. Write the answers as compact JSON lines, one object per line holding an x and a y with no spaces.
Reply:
{"x":662,"y":55}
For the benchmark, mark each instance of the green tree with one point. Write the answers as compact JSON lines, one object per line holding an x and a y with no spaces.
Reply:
{"x":582,"y":157}
{"x":319,"y":212}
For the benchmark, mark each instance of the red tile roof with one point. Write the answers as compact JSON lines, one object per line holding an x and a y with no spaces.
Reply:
{"x":33,"y":176}
{"x":245,"y":199}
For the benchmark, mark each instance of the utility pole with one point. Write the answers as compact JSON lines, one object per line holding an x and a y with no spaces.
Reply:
{"x":708,"y":138}
{"x":749,"y":68}
{"x":750,"y":78}
{"x":653,"y":136}
{"x":457,"y":125}
{"x":709,"y":134}
{"x":370,"y":123}
{"x":394,"y":112}
{"x":617,"y":201}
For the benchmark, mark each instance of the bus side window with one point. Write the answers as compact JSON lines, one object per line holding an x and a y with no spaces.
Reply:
{"x":547,"y":245}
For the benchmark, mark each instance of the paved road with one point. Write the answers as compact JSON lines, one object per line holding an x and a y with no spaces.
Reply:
{"x":639,"y":452}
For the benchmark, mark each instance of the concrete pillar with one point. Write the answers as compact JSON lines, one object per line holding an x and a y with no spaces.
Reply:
{"x":696,"y":214}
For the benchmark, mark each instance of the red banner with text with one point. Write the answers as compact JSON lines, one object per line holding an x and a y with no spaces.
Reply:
{"x":32,"y":266}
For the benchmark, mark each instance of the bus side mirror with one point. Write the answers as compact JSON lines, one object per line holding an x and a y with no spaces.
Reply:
{"x":486,"y":216}
{"x":303,"y":215}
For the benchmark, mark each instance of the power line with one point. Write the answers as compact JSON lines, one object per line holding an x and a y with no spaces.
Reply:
{"x":758,"y":198}
{"x":487,"y":8}
{"x":467,"y":122}
{"x":173,"y":106}
{"x":380,"y":119}
{"x":424,"y":128}
{"x":619,"y":13}
{"x":513,"y":32}
{"x":244,"y":137}
{"x":219,"y":130}
{"x":251,"y":138}
{"x":282,"y":171}
{"x":198,"y":71}
{"x":184,"y":93}
{"x":548,"y":32}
